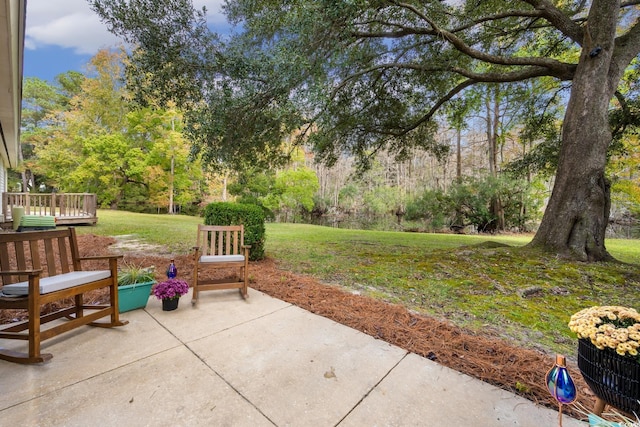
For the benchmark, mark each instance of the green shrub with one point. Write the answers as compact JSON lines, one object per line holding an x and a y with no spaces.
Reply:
{"x":251,"y":216}
{"x":470,"y":203}
{"x":435,"y":208}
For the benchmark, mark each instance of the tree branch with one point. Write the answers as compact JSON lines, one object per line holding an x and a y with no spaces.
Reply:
{"x":508,"y":77}
{"x":557,"y":67}
{"x":453,"y":92}
{"x":626,"y":114}
{"x":498,"y":16}
{"x":489,"y":77}
{"x":627,"y":46}
{"x":558,"y":19}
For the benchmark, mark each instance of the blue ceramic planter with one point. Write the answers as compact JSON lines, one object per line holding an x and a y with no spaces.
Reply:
{"x":131,"y":297}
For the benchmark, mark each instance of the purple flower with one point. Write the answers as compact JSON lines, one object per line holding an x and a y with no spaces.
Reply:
{"x":169,"y":289}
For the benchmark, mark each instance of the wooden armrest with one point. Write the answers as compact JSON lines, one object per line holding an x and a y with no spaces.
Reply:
{"x":246,"y":246}
{"x":21,"y":272}
{"x":93,"y":258}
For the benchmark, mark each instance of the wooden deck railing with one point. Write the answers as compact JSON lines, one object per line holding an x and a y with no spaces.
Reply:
{"x":68,"y":208}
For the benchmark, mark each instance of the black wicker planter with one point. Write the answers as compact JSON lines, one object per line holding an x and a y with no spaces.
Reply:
{"x":613,"y":378}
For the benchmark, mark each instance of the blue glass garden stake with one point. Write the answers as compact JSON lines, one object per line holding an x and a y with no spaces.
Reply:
{"x":172,"y":271}
{"x":560,"y":384}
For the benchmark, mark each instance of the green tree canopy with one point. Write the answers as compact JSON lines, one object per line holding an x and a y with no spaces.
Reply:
{"x":94,"y":143}
{"x":363,"y":76}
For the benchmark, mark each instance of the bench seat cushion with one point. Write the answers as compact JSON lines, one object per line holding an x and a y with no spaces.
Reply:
{"x":58,"y":282}
{"x":221,"y":258}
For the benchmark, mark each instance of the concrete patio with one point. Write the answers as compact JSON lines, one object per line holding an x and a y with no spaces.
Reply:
{"x":260,"y":362}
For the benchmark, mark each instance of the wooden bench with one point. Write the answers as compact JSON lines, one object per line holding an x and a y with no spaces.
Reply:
{"x":42,"y":267}
{"x":219,"y":248}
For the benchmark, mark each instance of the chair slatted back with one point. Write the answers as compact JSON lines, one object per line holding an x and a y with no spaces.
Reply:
{"x":220,"y":240}
{"x":52,"y":251}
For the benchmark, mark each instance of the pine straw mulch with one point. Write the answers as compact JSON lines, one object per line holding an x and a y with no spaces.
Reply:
{"x":498,"y":362}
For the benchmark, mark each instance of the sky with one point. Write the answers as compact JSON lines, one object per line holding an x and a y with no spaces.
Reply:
{"x":62,"y":35}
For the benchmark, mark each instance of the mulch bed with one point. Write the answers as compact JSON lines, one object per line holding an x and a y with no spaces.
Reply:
{"x":487,"y":358}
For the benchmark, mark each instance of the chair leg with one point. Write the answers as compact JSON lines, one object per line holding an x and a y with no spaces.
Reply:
{"x":34,"y":328}
{"x":599,"y":406}
{"x":194,"y":286}
{"x":194,"y":296}
{"x":244,"y":291}
{"x":24,"y":358}
{"x":33,"y":354}
{"x":113,"y":300}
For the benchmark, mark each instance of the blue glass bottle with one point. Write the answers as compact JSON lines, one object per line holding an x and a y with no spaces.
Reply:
{"x":559,"y":382}
{"x":172,"y":271}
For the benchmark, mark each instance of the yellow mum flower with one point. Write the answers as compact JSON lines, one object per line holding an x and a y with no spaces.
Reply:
{"x":603,"y":325}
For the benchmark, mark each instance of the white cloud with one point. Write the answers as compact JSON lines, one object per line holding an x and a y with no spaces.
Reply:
{"x":72,"y":24}
{"x":66,"y":23}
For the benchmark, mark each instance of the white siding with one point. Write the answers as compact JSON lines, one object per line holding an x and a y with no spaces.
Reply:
{"x":3,"y":186}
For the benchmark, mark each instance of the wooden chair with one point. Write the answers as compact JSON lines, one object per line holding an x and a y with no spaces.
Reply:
{"x":220,"y":250}
{"x":43,"y":267}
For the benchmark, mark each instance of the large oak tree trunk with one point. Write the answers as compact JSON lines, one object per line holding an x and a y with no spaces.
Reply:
{"x":576,"y":217}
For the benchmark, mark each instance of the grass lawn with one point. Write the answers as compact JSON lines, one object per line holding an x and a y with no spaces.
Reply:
{"x":488,"y":284}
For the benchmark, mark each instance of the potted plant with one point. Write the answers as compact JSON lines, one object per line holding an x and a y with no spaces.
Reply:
{"x":134,"y":286}
{"x":609,"y":354}
{"x":170,"y":291}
